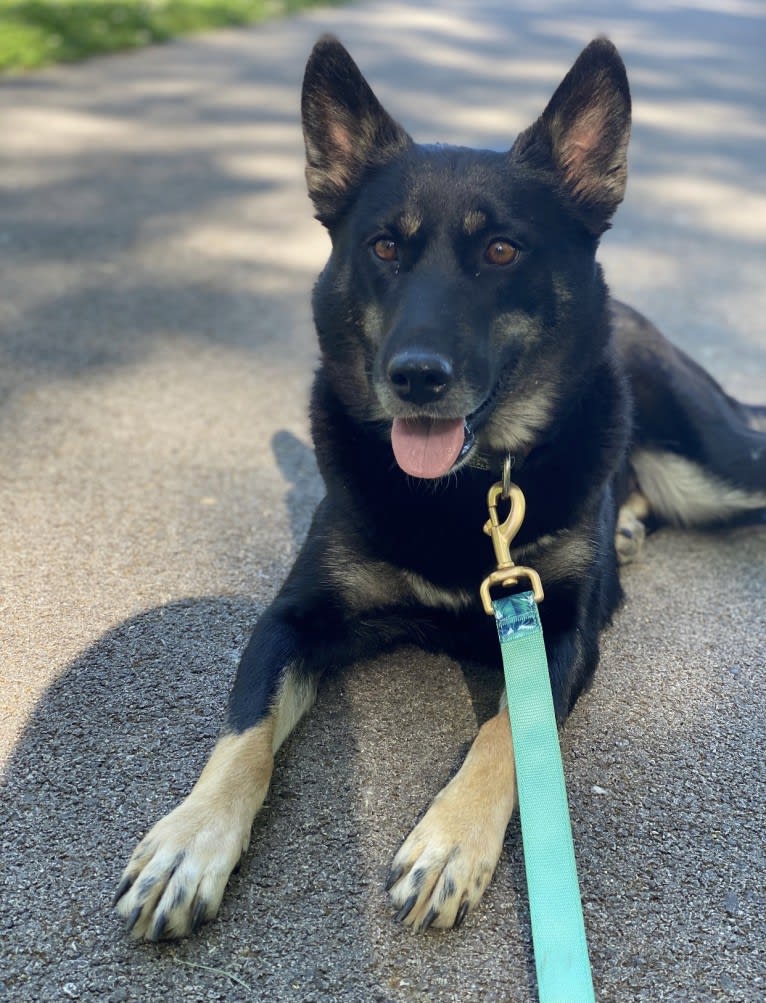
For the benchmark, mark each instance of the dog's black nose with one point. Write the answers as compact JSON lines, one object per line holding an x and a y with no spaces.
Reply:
{"x":420,"y":377}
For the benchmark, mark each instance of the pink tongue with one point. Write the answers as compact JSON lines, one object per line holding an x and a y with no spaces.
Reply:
{"x":425,"y":447}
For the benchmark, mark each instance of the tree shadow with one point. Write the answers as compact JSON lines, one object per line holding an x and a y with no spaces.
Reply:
{"x":117,"y":740}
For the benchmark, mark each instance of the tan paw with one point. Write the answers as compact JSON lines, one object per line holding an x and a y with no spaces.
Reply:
{"x":177,"y":875}
{"x":443,"y":867}
{"x":447,"y":861}
{"x":630,"y":536}
{"x":631,"y":532}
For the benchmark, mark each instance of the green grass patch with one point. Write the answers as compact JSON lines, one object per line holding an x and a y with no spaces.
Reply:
{"x":37,"y":32}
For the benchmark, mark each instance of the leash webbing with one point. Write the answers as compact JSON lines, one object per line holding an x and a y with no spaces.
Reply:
{"x":558,"y":931}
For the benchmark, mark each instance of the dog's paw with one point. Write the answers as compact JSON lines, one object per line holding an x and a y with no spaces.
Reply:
{"x":630,"y":536}
{"x":447,"y":861}
{"x":631,"y":529}
{"x":177,"y":875}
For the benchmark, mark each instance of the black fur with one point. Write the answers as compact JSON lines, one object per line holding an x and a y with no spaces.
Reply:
{"x":463,"y":295}
{"x":537,"y":335}
{"x":507,"y":333}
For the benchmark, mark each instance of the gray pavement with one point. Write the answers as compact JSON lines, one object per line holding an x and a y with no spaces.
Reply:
{"x":157,"y":253}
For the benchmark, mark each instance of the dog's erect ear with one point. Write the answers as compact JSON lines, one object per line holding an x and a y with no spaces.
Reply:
{"x":345,"y":128}
{"x":583,"y":134}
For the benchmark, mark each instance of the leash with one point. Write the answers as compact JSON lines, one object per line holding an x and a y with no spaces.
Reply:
{"x":558,"y":930}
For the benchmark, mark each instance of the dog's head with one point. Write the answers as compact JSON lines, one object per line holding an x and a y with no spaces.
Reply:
{"x":462,"y":303}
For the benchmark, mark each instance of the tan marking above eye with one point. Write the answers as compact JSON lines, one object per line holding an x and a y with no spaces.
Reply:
{"x":474,"y":221}
{"x":385,"y":249}
{"x":408,"y":224}
{"x":501,"y":252}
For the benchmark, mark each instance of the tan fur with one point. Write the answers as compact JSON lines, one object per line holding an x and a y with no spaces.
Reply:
{"x":519,"y":420}
{"x":433,"y":595}
{"x":178,"y":872}
{"x":364,"y":583}
{"x":631,"y":533}
{"x":474,"y":221}
{"x":448,"y":859}
{"x":638,"y":505}
{"x":685,"y":494}
{"x":408,"y":224}
{"x":296,"y":697}
{"x":361,"y":583}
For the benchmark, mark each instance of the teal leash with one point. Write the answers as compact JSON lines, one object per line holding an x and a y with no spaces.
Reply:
{"x":558,"y":930}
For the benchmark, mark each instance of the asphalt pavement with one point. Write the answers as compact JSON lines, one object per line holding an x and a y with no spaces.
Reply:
{"x":157,"y":252}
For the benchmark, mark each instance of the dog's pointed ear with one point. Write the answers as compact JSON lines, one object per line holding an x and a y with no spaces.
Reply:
{"x":583,"y":134}
{"x":345,"y":128}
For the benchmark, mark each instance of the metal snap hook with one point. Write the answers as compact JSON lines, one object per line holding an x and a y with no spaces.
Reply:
{"x":507,"y":468}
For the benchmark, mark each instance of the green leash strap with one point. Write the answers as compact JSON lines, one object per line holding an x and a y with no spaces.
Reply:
{"x":558,"y":931}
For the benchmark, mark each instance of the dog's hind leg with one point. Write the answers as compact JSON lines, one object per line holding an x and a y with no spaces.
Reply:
{"x":699,"y":456}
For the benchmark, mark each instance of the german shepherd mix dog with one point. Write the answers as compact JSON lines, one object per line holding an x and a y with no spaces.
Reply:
{"x":462,"y":319}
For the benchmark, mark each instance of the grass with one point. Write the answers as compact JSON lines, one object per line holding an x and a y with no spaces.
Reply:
{"x":38,"y":32}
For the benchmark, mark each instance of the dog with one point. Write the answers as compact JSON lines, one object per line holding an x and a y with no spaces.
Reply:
{"x":462,"y":319}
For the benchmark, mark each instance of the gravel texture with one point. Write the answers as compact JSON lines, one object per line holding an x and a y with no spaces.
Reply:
{"x":157,"y":256}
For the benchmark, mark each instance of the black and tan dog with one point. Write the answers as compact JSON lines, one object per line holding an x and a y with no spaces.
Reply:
{"x":462,"y":318}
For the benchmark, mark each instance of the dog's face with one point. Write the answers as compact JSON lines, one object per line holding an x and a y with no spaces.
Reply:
{"x":461,"y":300}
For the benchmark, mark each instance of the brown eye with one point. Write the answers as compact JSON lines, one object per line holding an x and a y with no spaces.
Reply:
{"x":385,"y":249}
{"x":501,"y":252}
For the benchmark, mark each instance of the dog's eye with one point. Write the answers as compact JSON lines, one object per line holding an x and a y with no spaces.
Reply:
{"x":501,"y":252}
{"x":385,"y":249}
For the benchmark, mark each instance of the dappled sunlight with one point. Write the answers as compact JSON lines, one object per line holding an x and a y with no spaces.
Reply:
{"x":49,"y":133}
{"x":711,"y":204}
{"x":731,"y":8}
{"x":453,"y":25}
{"x":628,"y":34}
{"x":219,"y":117}
{"x":660,"y":268}
{"x":263,"y":165}
{"x":711,"y":119}
{"x":274,"y":253}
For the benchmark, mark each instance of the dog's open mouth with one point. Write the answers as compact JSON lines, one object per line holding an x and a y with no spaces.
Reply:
{"x":430,"y":447}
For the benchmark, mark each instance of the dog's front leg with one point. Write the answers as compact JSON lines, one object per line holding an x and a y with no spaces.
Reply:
{"x":176,"y":877}
{"x":448,"y":859}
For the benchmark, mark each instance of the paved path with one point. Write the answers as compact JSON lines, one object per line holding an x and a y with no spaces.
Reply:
{"x":157,"y":255}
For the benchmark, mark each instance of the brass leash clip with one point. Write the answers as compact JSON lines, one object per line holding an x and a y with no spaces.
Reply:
{"x":502,"y":534}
